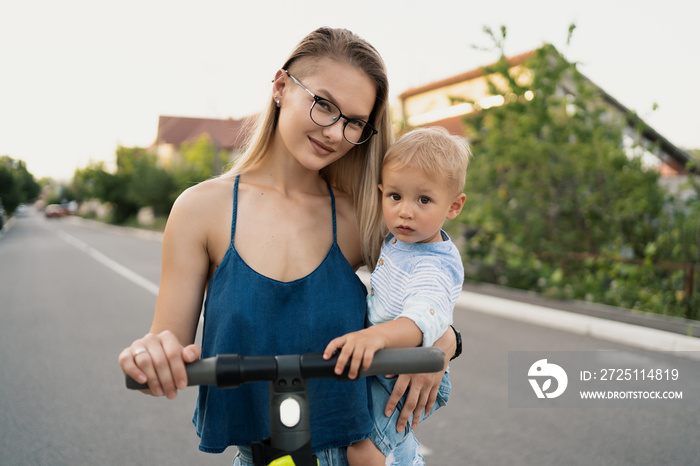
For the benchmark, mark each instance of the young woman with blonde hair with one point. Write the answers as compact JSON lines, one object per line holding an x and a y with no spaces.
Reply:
{"x":275,"y":243}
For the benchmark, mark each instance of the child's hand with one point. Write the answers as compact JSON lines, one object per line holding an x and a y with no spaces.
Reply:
{"x":358,"y":348}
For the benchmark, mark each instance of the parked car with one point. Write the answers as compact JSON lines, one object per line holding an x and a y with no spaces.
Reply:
{"x":53,"y":211}
{"x":22,"y":210}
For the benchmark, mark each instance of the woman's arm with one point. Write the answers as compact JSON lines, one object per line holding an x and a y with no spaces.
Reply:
{"x":422,"y":388}
{"x":159,"y":357}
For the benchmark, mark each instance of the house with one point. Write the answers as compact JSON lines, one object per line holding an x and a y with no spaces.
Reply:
{"x":173,"y":132}
{"x":447,"y":102}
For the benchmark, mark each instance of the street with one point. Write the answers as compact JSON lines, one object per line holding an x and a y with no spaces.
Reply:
{"x":74,"y":294}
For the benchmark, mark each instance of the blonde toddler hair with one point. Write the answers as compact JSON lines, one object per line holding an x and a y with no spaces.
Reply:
{"x":434,"y":151}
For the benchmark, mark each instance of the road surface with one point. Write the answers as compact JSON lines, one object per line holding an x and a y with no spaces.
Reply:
{"x":73,"y":294}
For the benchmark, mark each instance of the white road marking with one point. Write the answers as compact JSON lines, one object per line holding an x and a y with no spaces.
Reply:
{"x":110,"y":263}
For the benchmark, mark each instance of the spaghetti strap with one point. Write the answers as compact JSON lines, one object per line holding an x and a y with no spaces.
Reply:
{"x":235,"y":207}
{"x":335,"y":237}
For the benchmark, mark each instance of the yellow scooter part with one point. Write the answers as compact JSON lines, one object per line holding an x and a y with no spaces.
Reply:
{"x":285,"y":461}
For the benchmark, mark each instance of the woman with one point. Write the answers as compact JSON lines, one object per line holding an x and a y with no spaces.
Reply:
{"x":275,"y":242}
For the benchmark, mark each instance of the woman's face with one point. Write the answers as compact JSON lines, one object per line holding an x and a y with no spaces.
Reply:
{"x":313,"y":146}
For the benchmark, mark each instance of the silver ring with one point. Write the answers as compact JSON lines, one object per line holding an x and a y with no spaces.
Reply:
{"x":138,"y":351}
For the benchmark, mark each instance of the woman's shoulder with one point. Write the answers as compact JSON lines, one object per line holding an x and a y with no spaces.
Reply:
{"x":201,"y":207}
{"x":205,"y":195}
{"x":345,"y":209}
{"x":347,"y":228}
{"x":344,"y":202}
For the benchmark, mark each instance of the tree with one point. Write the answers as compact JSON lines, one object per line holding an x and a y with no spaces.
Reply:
{"x":151,"y":185}
{"x":551,"y":186}
{"x":17,"y":185}
{"x":138,"y":182}
{"x":199,"y":161}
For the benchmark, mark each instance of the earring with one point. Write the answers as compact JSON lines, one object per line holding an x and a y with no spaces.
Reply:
{"x":277,"y":101}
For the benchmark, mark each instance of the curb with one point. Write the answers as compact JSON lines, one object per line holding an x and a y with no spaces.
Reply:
{"x":116,"y":229}
{"x":596,"y":327}
{"x":7,"y":226}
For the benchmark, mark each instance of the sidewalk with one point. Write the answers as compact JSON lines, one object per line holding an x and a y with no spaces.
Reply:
{"x":576,"y":318}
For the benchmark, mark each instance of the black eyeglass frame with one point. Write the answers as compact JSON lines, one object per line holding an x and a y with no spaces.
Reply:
{"x":318,"y":99}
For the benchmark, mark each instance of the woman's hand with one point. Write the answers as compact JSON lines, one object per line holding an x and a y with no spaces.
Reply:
{"x":422,"y":393}
{"x":159,"y":360}
{"x":422,"y":388}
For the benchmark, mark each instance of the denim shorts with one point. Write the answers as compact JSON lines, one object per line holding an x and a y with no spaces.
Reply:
{"x":384,"y":435}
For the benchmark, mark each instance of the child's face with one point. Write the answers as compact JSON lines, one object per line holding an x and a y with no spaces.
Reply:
{"x":416,"y":206}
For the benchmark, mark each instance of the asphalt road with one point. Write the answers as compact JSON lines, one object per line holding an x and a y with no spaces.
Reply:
{"x":73,"y":295}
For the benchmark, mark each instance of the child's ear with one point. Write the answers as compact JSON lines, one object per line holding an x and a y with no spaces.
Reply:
{"x":456,"y":206}
{"x":381,"y":187}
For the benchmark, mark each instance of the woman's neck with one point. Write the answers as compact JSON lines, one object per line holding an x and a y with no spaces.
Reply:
{"x":283,"y":173}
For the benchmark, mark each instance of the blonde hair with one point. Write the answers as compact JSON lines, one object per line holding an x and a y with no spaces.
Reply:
{"x":357,"y":172}
{"x":434,"y":151}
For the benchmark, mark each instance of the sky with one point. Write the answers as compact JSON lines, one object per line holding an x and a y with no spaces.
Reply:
{"x":78,"y":78}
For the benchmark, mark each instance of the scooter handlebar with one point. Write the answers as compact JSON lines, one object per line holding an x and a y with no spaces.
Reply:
{"x":232,"y":370}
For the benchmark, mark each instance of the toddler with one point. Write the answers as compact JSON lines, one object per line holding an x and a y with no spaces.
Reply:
{"x":418,"y":276}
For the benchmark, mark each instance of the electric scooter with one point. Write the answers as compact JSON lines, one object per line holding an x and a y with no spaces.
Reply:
{"x":289,"y":443}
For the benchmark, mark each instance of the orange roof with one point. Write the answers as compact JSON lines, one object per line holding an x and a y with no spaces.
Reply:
{"x":453,"y":125}
{"x":177,"y":130}
{"x":475,"y":73}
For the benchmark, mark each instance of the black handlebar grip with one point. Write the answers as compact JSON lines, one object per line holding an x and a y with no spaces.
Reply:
{"x":406,"y":361}
{"x":131,"y":384}
{"x":200,"y":372}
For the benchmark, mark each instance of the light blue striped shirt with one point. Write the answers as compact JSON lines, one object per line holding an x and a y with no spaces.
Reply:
{"x":420,"y":281}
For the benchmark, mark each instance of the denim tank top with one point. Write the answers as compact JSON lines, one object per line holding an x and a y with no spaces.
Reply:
{"x":250,"y":314}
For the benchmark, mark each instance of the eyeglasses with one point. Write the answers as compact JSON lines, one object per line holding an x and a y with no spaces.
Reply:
{"x":325,"y":113}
